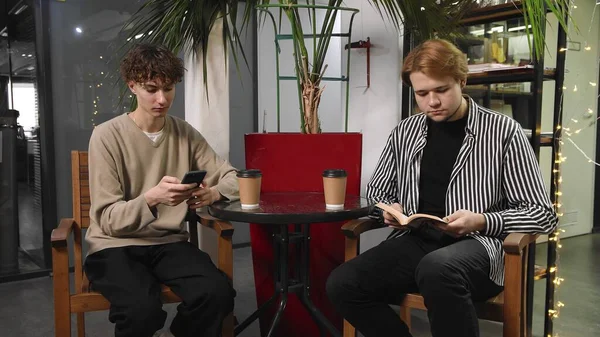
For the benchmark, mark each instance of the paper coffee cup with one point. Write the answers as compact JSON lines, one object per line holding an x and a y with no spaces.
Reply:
{"x":334,"y":188}
{"x":249,"y":182}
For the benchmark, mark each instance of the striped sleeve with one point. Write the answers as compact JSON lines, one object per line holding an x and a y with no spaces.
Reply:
{"x":529,"y":208}
{"x":383,"y":186}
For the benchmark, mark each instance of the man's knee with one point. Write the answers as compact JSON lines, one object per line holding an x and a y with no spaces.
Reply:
{"x":436,"y":275}
{"x":342,"y":283}
{"x":225,"y":297}
{"x":218,"y":297}
{"x":143,"y":317}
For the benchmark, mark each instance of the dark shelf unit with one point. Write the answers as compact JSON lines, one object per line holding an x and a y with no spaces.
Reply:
{"x":536,"y":76}
{"x":487,"y":14}
{"x":509,"y":76}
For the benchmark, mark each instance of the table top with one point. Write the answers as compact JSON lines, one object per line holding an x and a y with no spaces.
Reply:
{"x":292,"y":208}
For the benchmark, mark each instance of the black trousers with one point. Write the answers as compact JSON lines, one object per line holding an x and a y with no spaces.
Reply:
{"x":130,"y":277}
{"x":450,"y":274}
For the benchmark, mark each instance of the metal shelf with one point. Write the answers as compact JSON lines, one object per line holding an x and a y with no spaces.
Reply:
{"x":310,"y":36}
{"x":508,"y":76}
{"x":493,"y":13}
{"x":338,"y":79}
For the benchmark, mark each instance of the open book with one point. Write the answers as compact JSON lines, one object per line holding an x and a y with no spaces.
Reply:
{"x":414,"y":220}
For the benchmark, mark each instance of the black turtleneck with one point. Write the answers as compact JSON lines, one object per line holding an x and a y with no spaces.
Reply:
{"x":444,"y":140}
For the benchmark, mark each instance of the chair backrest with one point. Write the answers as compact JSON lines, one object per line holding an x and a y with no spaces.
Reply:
{"x":80,"y":183}
{"x":81,"y":188}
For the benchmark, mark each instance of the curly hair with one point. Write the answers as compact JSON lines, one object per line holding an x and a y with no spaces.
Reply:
{"x":145,"y":62}
{"x":436,"y":57}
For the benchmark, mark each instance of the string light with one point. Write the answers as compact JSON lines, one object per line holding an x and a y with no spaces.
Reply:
{"x":557,"y":180}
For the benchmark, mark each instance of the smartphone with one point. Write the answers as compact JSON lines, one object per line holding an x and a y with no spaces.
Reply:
{"x":194,"y":177}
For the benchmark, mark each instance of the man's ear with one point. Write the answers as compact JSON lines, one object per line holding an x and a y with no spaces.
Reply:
{"x":131,"y":86}
{"x":463,"y":83}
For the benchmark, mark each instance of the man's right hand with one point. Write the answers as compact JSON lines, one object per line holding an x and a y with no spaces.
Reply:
{"x":388,"y":219}
{"x":169,"y":191}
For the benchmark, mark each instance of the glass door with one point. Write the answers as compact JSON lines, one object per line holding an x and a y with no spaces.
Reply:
{"x":22,"y":254}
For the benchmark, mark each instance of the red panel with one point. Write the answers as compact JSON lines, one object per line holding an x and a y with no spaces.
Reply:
{"x":293,"y":162}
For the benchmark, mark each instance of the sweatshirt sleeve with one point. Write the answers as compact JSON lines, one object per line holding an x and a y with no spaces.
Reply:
{"x":529,"y":207}
{"x":220,"y":173}
{"x":116,"y":216}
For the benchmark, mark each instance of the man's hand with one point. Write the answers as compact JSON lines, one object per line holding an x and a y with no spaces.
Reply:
{"x":463,"y":222}
{"x":169,"y":191}
{"x":204,"y":196}
{"x":388,"y":219}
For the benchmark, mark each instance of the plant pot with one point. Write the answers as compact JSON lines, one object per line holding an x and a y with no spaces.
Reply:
{"x":294,"y":162}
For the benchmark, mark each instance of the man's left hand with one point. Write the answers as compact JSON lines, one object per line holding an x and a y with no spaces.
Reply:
{"x":463,"y":222}
{"x":204,"y":196}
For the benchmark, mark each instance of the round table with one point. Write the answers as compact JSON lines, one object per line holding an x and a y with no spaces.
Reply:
{"x":279,"y":211}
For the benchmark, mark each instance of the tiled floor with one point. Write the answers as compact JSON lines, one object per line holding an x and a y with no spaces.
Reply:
{"x":26,"y":306}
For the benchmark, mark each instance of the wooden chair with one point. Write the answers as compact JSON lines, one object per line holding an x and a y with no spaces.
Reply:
{"x":509,"y":307}
{"x":80,"y":299}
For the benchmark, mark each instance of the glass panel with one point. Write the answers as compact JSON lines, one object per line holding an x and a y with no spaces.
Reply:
{"x":511,"y":99}
{"x":24,"y":99}
{"x":19,"y":92}
{"x":85,"y":46}
{"x":501,"y":42}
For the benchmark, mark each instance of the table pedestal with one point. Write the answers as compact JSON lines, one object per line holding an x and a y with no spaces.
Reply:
{"x":298,"y":282}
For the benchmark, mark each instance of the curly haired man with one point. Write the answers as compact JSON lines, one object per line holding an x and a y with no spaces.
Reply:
{"x":137,"y":238}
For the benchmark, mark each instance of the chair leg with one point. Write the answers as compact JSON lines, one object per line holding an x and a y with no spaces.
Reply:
{"x":405,"y":316}
{"x":228,"y":325}
{"x":514,"y":301}
{"x":80,"y":324}
{"x":349,"y":330}
{"x":60,"y":275}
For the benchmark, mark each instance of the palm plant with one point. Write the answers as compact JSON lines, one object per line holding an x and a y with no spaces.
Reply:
{"x":186,"y":25}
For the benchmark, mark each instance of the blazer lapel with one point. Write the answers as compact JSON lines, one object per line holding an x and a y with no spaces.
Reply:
{"x":469,"y":142}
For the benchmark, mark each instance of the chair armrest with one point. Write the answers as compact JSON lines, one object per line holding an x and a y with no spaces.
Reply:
{"x":516,"y":242}
{"x":222,"y":227}
{"x":60,"y":234}
{"x":354,"y":228}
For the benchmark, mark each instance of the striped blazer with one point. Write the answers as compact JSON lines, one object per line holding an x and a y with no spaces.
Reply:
{"x":496,"y":173}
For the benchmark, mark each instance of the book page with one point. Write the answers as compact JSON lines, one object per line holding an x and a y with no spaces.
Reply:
{"x":401,"y":218}
{"x":414,"y":220}
{"x":425,"y":218}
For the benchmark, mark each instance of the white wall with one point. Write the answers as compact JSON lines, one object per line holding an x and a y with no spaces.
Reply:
{"x":578,"y":173}
{"x":209,"y":114}
{"x":330,"y":109}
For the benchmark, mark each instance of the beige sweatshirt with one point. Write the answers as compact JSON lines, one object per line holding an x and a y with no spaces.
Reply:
{"x":124,"y":163}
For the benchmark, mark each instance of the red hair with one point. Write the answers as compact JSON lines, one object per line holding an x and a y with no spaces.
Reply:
{"x":435,"y":58}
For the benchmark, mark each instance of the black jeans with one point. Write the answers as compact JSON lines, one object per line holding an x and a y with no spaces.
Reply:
{"x":130,"y":277}
{"x":450,"y":275}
